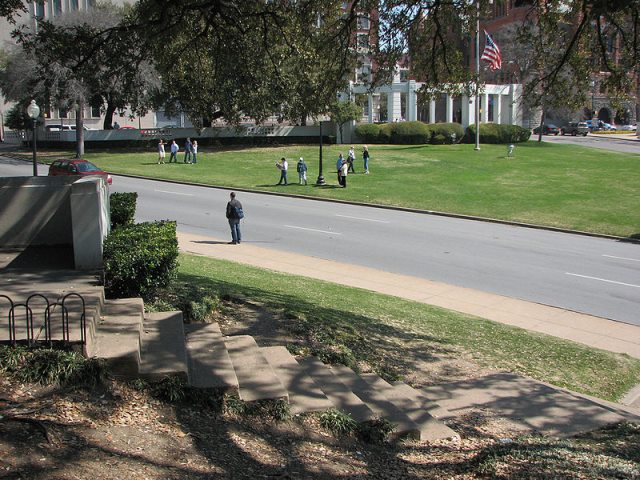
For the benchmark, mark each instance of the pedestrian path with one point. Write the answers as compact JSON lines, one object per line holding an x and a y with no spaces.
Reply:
{"x":586,"y":329}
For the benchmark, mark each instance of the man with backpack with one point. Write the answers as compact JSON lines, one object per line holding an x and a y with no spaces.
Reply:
{"x":234,"y":214}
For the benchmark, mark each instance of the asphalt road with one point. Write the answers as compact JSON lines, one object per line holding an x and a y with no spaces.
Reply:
{"x":586,"y":274}
{"x":604,"y":142}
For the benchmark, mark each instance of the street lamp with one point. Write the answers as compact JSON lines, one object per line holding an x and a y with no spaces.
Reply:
{"x":320,"y":180}
{"x":33,"y":110}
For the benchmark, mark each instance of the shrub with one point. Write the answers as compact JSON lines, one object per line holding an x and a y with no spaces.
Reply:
{"x":368,"y":132}
{"x":494,"y":133}
{"x":140,"y":259}
{"x":408,"y":133}
{"x":123,"y":208}
{"x":445,"y":133}
{"x":48,"y":366}
{"x":338,"y":422}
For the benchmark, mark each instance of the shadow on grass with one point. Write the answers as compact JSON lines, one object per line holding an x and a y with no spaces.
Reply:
{"x":333,"y":334}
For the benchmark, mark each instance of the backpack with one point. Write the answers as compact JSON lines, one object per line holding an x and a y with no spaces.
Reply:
{"x":238,"y":211}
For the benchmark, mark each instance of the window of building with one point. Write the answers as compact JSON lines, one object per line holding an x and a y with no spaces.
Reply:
{"x":74,"y":5}
{"x":363,"y":22}
{"x":363,"y":40}
{"x":40,"y":9}
{"x":63,"y":113}
{"x":404,"y":74}
{"x":57,"y":7}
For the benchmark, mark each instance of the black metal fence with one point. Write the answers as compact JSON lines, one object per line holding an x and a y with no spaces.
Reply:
{"x":39,"y":321}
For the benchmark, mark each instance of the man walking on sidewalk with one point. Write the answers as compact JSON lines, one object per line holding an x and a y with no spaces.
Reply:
{"x":234,"y":214}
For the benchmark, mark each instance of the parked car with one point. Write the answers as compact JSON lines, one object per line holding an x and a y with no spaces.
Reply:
{"x":575,"y":128}
{"x":547,"y":129}
{"x":56,"y":127}
{"x":608,"y":126}
{"x":629,"y":128}
{"x":77,"y":167}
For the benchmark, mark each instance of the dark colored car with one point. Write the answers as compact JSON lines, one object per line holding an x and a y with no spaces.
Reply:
{"x":77,"y":167}
{"x":575,"y":128}
{"x":547,"y":129}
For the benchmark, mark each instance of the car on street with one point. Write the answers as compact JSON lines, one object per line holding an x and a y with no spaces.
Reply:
{"x":547,"y":129}
{"x":77,"y":167}
{"x":575,"y":128}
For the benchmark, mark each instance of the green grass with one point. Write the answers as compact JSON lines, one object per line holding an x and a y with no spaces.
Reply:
{"x":546,"y":184}
{"x":379,"y":329}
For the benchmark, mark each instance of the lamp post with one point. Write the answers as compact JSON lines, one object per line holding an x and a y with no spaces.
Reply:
{"x":320,"y":180}
{"x":593,"y":94}
{"x":33,"y":110}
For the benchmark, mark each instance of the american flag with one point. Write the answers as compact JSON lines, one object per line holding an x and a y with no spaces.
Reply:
{"x":491,"y":53}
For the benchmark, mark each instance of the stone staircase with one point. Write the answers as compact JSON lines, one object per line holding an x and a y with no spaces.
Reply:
{"x":154,"y":345}
{"x":151,"y":346}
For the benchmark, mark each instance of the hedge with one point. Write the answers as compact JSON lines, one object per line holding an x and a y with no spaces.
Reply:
{"x":123,"y":209}
{"x":497,"y":133}
{"x":139,"y":259}
{"x":410,"y":133}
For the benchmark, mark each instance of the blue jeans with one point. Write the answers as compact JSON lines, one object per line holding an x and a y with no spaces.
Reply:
{"x":234,"y":223}
{"x":283,"y":177}
{"x":366,"y":163}
{"x":194,"y":156}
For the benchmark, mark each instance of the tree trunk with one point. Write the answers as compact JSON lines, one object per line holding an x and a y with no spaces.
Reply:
{"x":108,"y":117}
{"x":541,"y":125}
{"x":80,"y":130}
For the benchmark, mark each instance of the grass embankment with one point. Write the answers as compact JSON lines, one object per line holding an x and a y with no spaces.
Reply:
{"x":351,"y":325}
{"x":545,"y":184}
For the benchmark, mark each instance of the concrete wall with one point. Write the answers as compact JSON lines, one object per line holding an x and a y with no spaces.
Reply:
{"x":47,"y":211}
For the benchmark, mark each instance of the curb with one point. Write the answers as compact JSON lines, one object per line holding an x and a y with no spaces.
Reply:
{"x":390,"y":207}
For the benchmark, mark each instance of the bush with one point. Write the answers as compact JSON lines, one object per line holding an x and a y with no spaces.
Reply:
{"x":123,"y":209}
{"x":48,"y":366}
{"x":445,"y":133}
{"x":140,"y":259}
{"x":407,"y":133}
{"x":494,"y":133}
{"x":368,"y":132}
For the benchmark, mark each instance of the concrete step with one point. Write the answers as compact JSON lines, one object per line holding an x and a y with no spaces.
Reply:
{"x":415,"y":405}
{"x":256,"y":379}
{"x":208,"y":359}
{"x":304,"y":395}
{"x":118,"y":342}
{"x":337,"y":392}
{"x":432,"y":408}
{"x":163,"y":350}
{"x":367,"y":388}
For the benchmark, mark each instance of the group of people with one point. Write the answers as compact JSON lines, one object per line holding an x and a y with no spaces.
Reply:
{"x":190,"y":151}
{"x":346,"y":165}
{"x":343,"y":167}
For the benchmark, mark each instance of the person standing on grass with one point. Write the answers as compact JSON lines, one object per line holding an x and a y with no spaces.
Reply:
{"x":187,"y":151}
{"x":234,"y":215}
{"x":351,"y":158}
{"x":194,"y":152}
{"x":302,"y":171}
{"x":174,"y":152}
{"x":344,"y":171}
{"x":365,"y":158}
{"x":283,"y":166}
{"x":339,"y":163}
{"x":161,"y":152}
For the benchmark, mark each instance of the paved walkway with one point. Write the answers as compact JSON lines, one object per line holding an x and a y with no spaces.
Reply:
{"x":586,"y":329}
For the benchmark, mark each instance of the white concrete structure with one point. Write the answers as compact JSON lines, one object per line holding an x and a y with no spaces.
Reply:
{"x":400,"y":101}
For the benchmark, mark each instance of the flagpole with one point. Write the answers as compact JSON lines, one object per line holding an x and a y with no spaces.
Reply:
{"x":477,"y":109}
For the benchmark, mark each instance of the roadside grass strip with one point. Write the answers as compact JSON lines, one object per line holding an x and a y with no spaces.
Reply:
{"x":358,"y":327}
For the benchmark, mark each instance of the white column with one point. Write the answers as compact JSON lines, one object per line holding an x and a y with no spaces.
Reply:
{"x":432,"y":111}
{"x":485,"y":108}
{"x":412,"y":102}
{"x":449,"y":103}
{"x":390,"y":106}
{"x":370,"y":107}
{"x":498,"y":110}
{"x":468,"y":109}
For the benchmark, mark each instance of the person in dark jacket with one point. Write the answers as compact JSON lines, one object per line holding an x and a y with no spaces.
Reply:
{"x":234,"y":214}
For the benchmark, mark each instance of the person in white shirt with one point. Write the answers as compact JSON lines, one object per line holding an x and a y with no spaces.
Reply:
{"x":283,"y":166}
{"x":194,"y":152}
{"x":160,"y":151}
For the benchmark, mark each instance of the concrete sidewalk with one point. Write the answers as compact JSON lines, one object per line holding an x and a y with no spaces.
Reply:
{"x":586,"y":329}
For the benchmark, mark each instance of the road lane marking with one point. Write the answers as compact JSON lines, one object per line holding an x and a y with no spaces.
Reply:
{"x":360,"y":218}
{"x":603,"y":280}
{"x":623,"y":258}
{"x":175,"y":193}
{"x":312,"y":230}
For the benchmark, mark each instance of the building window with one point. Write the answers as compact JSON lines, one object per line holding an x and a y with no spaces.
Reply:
{"x":94,"y":111}
{"x":63,"y":113}
{"x":362,"y":41}
{"x":404,"y":75}
{"x":74,"y":5}
{"x":363,"y":23}
{"x":39,"y":9}
{"x":57,"y":7}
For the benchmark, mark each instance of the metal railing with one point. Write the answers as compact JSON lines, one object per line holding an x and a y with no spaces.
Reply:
{"x":43,"y":328}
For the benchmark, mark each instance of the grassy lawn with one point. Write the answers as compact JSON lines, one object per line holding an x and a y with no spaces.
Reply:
{"x":350,"y":326}
{"x":553,"y":185}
